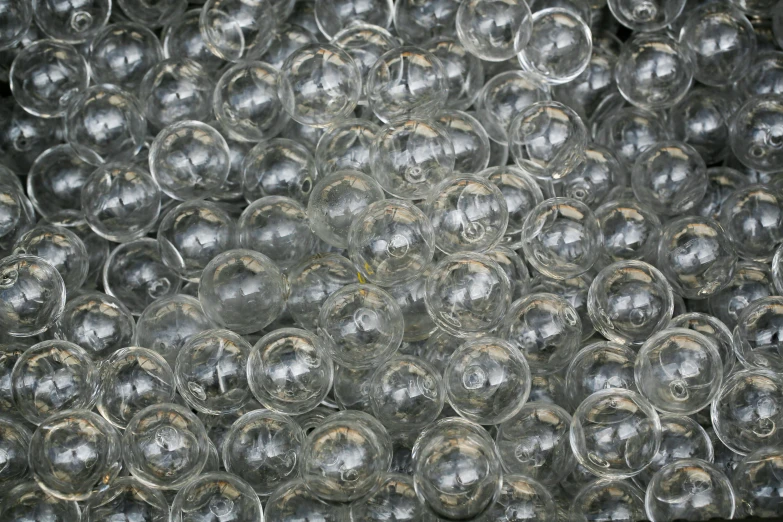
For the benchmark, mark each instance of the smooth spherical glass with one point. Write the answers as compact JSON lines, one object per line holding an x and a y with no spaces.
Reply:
{"x":756,"y":334}
{"x":521,"y":192}
{"x":237,"y":30}
{"x":122,"y":53}
{"x":27,"y":502}
{"x":97,"y":322}
{"x":753,"y":218}
{"x":395,"y":500}
{"x":168,"y":323}
{"x":214,"y":496}
{"x":345,"y":146}
{"x":312,"y":282}
{"x":55,"y":181}
{"x":608,"y":499}
{"x":630,"y":229}
{"x":506,"y":95}
{"x":629,"y":131}
{"x":494,"y":30}
{"x":756,"y":133}
{"x":472,"y":149}
{"x":279,"y":167}
{"x":277,"y":227}
{"x":184,"y":40}
{"x":34,"y":295}
{"x":464,"y":71}
{"x":647,"y":15}
{"x":127,"y":497}
{"x":594,"y":177}
{"x":334,"y":15}
{"x":61,"y":248}
{"x":16,"y":23}
{"x":14,"y":448}
{"x":176,"y":89}
{"x":599,"y":366}
{"x":521,"y":498}
{"x":712,"y":328}
{"x":71,"y":22}
{"x":701,"y":119}
{"x":757,"y":482}
{"x":293,"y":500}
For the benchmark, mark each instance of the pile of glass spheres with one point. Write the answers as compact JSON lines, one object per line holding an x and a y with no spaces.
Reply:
{"x":375,"y":260}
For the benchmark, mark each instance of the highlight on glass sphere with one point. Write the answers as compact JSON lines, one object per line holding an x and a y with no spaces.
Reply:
{"x":647,"y":15}
{"x":237,"y":30}
{"x":278,"y":167}
{"x":294,"y":496}
{"x":19,"y":16}
{"x":599,"y":366}
{"x":715,"y":330}
{"x":345,"y":146}
{"x":756,"y":133}
{"x":70,"y":22}
{"x":312,"y":282}
{"x":126,"y":496}
{"x":97,"y":322}
{"x":122,"y":53}
{"x":756,"y":480}
{"x":61,"y":248}
{"x":34,"y":295}
{"x":493,"y":30}
{"x":334,"y":15}
{"x":216,"y":495}
{"x":753,"y":218}
{"x":630,"y":229}
{"x":629,"y":131}
{"x":756,"y":336}
{"x":472,"y":149}
{"x":176,"y":89}
{"x":506,"y":95}
{"x":395,"y":498}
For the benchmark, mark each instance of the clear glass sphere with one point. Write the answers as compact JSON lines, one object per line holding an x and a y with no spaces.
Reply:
{"x":494,"y":30}
{"x":127,"y":497}
{"x":756,"y":133}
{"x":360,"y":326}
{"x":757,"y":481}
{"x":608,"y":499}
{"x":61,"y":248}
{"x":278,"y":167}
{"x":615,"y":433}
{"x":472,"y":149}
{"x":237,"y":30}
{"x":168,"y":323}
{"x":104,"y":123}
{"x":55,"y":181}
{"x":334,"y":15}
{"x":263,"y":448}
{"x":516,"y":270}
{"x":352,"y":388}
{"x":712,"y":328}
{"x":289,"y":371}
{"x":122,"y":53}
{"x":174,"y":90}
{"x":395,"y":500}
{"x":410,"y":296}
{"x":753,"y":218}
{"x":756,"y":334}
{"x":14,"y":446}
{"x":599,"y":366}
{"x":521,"y":498}
{"x":97,"y":322}
{"x":287,"y":39}
{"x":10,"y":351}
{"x":71,"y":22}
{"x":419,"y":22}
{"x":294,"y":500}
{"x":345,"y":146}
{"x":690,"y":489}
{"x":701,"y":119}
{"x":752,"y":281}
{"x":312,"y":282}
{"x":544,"y":234}
{"x":506,"y":95}
{"x":155,"y":14}
{"x":646,"y":15}
{"x":17,"y":214}
{"x":34,"y":295}
{"x":185,"y":40}
{"x":630,"y":229}
{"x":16,"y":23}
{"x":214,"y":496}
{"x":628,"y":131}
{"x":521,"y":192}
{"x":464,"y":71}
{"x":135,"y":274}
{"x":594,"y":177}
{"x":723,"y":182}
{"x":559,"y":47}
{"x":764,"y":74}
{"x":346,"y":457}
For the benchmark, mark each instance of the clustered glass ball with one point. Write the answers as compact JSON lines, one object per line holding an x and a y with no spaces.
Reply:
{"x":391,"y":260}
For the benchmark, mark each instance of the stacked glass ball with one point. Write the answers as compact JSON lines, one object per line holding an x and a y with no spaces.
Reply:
{"x":411,"y":260}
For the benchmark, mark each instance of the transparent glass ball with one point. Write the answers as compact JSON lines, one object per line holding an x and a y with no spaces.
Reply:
{"x":105,"y":123}
{"x":406,"y":394}
{"x":395,"y":499}
{"x":690,"y":489}
{"x":701,"y":119}
{"x":176,"y":89}
{"x":44,"y":77}
{"x":237,"y":30}
{"x":346,"y":457}
{"x":33,"y":293}
{"x":467,"y":294}
{"x":756,"y":334}
{"x":752,"y":281}
{"x":245,"y":102}
{"x":97,"y":322}
{"x":535,"y":443}
{"x":630,"y":229}
{"x":61,"y":470}
{"x":319,"y":84}
{"x":97,"y":247}
{"x":721,"y":41}
{"x":55,"y":181}
{"x":165,"y":446}
{"x":670,"y":177}
{"x":409,"y":157}
{"x":26,"y":501}
{"x":391,"y":241}
{"x":61,"y":248}
{"x":168,"y":323}
{"x":559,"y":47}
{"x":712,"y":328}
{"x":599,"y":366}
{"x":216,"y":495}
{"x":345,"y":146}
{"x":155,"y":14}
{"x":521,"y":498}
{"x":547,"y":139}
{"x":135,"y":274}
{"x":10,"y":351}
{"x":447,"y":450}
{"x":544,"y":234}
{"x":757,"y":482}
{"x":14,"y":446}
{"x":132,"y":379}
{"x":334,"y":15}
{"x":594,"y":177}
{"x":419,"y":22}
{"x":17,"y":21}
{"x":278,"y":167}
{"x":288,"y":38}
{"x":71,"y":22}
{"x":472,"y":149}
{"x":615,"y":433}
{"x":242,"y":290}
{"x":23,"y":136}
{"x":126,"y":497}
{"x":723,"y":182}
{"x":516,"y":270}
{"x":410,"y":297}
{"x":312,"y":282}
{"x":654,"y":71}
{"x":17,"y":214}
{"x":185,"y":40}
{"x":293,"y":500}
{"x":122,"y":53}
{"x":756,"y":133}
{"x":263,"y":448}
{"x":506,"y":95}
{"x":521,"y":192}
{"x":351,"y":388}
{"x":753,"y":218}
{"x":746,"y":414}
{"x":763,"y":75}
{"x":608,"y":499}
{"x":464,"y":71}
{"x":289,"y":371}
{"x":189,"y":160}
{"x":494,"y":30}
{"x":360,"y":326}
{"x":277,"y":227}
{"x":647,"y":15}
{"x":406,"y":82}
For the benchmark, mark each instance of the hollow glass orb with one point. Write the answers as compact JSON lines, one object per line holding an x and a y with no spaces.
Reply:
{"x":71,"y":22}
{"x":165,"y":446}
{"x":277,"y":227}
{"x":245,"y":102}
{"x":472,"y":148}
{"x":189,"y":160}
{"x":670,"y":177}
{"x":278,"y":167}
{"x":237,"y":30}
{"x":46,"y":75}
{"x":561,"y":238}
{"x":185,"y":40}
{"x":615,"y":433}
{"x":14,"y":447}
{"x":174,"y":90}
{"x":121,"y":202}
{"x":701,"y":119}
{"x":721,"y":42}
{"x":753,"y":218}
{"x":409,"y":157}
{"x":756,"y":335}
{"x":395,"y":500}
{"x":132,"y":379}
{"x":535,"y":443}
{"x":629,"y":131}
{"x":334,"y":15}
{"x":346,"y":457}
{"x":61,"y":470}
{"x":756,"y":133}
{"x":10,"y":351}
{"x":593,"y":178}
{"x":352,"y":388}
{"x":764,"y":74}
{"x":521,"y":498}
{"x":360,"y":326}
{"x":27,"y":501}
{"x":127,"y":497}
{"x":293,"y":500}
{"x":168,"y":323}
{"x":155,"y":14}
{"x":679,"y":371}
{"x":242,"y":290}
{"x":33,"y":294}
{"x":97,"y":247}
{"x":263,"y":448}
{"x":746,"y":414}
{"x":419,"y":22}
{"x":215,"y":496}
{"x":752,"y":281}
{"x":16,"y":22}
{"x":646,"y":15}
{"x":406,"y":82}
{"x":289,"y":371}
{"x":122,"y":53}
{"x":345,"y":146}
{"x":467,"y":294}
{"x":135,"y":274}
{"x":464,"y":71}
{"x":406,"y":394}
{"x":97,"y":322}
{"x":312,"y":282}
{"x":608,"y":499}
{"x":288,"y":38}
{"x":521,"y":192}
{"x":104,"y":123}
{"x":690,"y":489}
{"x":55,"y":181}
{"x":712,"y":328}
{"x":447,"y":452}
{"x":547,"y":139}
{"x":17,"y":213}
{"x":574,"y":290}
{"x":559,"y":47}
{"x":757,"y":483}
{"x":630,"y":229}
{"x":494,"y":30}
{"x":410,"y":298}
{"x":319,"y":84}
{"x":506,"y":95}
{"x":599,"y":366}
{"x":61,"y":248}
{"x":723,"y":182}
{"x":516,"y":270}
